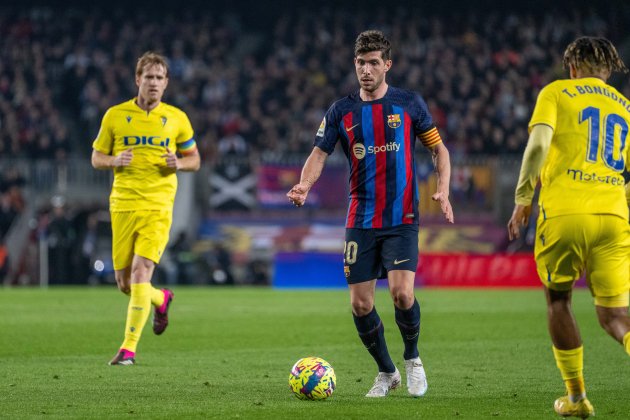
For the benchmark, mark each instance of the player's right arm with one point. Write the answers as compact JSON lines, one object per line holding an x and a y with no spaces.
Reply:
{"x":325,"y":141}
{"x":310,"y":174}
{"x":542,"y":126}
{"x":533,"y":159}
{"x":103,"y":146}
{"x":101,"y":160}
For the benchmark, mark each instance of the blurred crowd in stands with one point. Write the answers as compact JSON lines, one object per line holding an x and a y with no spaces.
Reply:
{"x":11,"y":199}
{"x":12,"y":204}
{"x":255,"y":89}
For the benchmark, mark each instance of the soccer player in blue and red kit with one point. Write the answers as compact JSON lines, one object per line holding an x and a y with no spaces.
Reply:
{"x":377,"y":127}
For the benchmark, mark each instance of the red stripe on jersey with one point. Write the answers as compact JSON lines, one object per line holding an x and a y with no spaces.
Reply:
{"x":380,"y":181}
{"x":354,"y":178}
{"x":408,"y":197}
{"x":352,"y":212}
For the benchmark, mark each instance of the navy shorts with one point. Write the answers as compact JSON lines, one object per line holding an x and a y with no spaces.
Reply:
{"x":371,"y":253}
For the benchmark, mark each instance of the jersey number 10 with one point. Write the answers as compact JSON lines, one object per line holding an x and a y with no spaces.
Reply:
{"x":611,"y":122}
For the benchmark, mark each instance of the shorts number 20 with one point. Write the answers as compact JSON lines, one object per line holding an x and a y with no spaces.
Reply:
{"x":350,"y":252}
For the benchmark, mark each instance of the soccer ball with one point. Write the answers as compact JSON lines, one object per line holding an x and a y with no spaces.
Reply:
{"x":312,"y":378}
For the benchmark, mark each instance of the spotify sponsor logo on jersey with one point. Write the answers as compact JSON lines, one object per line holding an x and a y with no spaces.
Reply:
{"x":359,"y":150}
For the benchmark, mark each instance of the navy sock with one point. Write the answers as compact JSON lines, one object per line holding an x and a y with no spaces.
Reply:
{"x":372,"y":334}
{"x":409,"y":324}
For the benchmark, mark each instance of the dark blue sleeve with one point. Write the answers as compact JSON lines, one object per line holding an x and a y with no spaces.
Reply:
{"x":422,"y":121}
{"x":328,"y":133}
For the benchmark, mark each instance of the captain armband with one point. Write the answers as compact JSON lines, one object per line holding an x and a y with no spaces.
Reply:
{"x":430,"y":138}
{"x":187,"y":148}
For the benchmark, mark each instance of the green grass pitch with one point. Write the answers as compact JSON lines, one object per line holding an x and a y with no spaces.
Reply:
{"x":228,"y":352}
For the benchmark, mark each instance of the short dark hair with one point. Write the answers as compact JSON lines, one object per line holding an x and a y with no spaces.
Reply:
{"x":593,"y":55}
{"x":151,"y":58}
{"x":372,"y":40}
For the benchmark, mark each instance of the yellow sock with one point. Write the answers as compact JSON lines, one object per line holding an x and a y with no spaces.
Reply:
{"x":571,"y":365}
{"x":626,"y":342}
{"x":157,"y":297}
{"x":137,"y":314}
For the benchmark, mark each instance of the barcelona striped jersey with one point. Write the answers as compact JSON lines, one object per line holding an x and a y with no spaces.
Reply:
{"x":378,"y":138}
{"x":147,"y":183}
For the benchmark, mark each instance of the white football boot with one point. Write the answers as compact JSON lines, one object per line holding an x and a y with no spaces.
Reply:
{"x":383,"y":383}
{"x":416,"y":378}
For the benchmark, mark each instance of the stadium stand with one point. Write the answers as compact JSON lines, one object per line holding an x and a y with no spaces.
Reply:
{"x":263,"y":89}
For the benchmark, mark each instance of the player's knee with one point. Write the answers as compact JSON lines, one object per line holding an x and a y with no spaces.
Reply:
{"x":361,"y":307}
{"x":403,"y":299}
{"x":609,"y":318}
{"x":142,"y":271}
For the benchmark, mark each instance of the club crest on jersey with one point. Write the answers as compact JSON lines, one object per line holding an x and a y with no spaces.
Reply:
{"x":322,"y":128}
{"x":393,"y":121}
{"x":163,"y":121}
{"x":128,"y":119}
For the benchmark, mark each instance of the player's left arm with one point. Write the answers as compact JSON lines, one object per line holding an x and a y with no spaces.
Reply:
{"x":186,"y":162}
{"x":428,"y":134}
{"x":186,"y":157}
{"x":442,"y":164}
{"x":191,"y":162}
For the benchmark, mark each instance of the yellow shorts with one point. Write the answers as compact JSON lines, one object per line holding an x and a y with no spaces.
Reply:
{"x":144,"y":233}
{"x":598,"y":244}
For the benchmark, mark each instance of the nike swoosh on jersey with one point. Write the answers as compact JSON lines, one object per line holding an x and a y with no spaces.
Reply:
{"x":350,"y":129}
{"x":396,"y":262}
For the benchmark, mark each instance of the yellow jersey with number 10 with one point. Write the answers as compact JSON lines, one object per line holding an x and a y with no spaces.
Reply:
{"x":147,"y":183}
{"x":583,"y":172}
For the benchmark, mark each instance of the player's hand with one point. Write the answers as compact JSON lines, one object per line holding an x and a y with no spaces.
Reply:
{"x":123,"y":159}
{"x":445,"y":205}
{"x":171,"y":159}
{"x":520,"y":218}
{"x":297,"y":194}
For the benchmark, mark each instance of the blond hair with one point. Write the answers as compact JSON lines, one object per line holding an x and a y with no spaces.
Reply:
{"x":151,"y":58}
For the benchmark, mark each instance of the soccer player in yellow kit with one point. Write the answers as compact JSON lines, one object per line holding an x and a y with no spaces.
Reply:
{"x":145,"y":142}
{"x":579,"y":146}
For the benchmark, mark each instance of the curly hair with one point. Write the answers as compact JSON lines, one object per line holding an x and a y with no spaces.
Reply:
{"x":372,"y":40}
{"x":593,"y":55}
{"x":151,"y":58}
